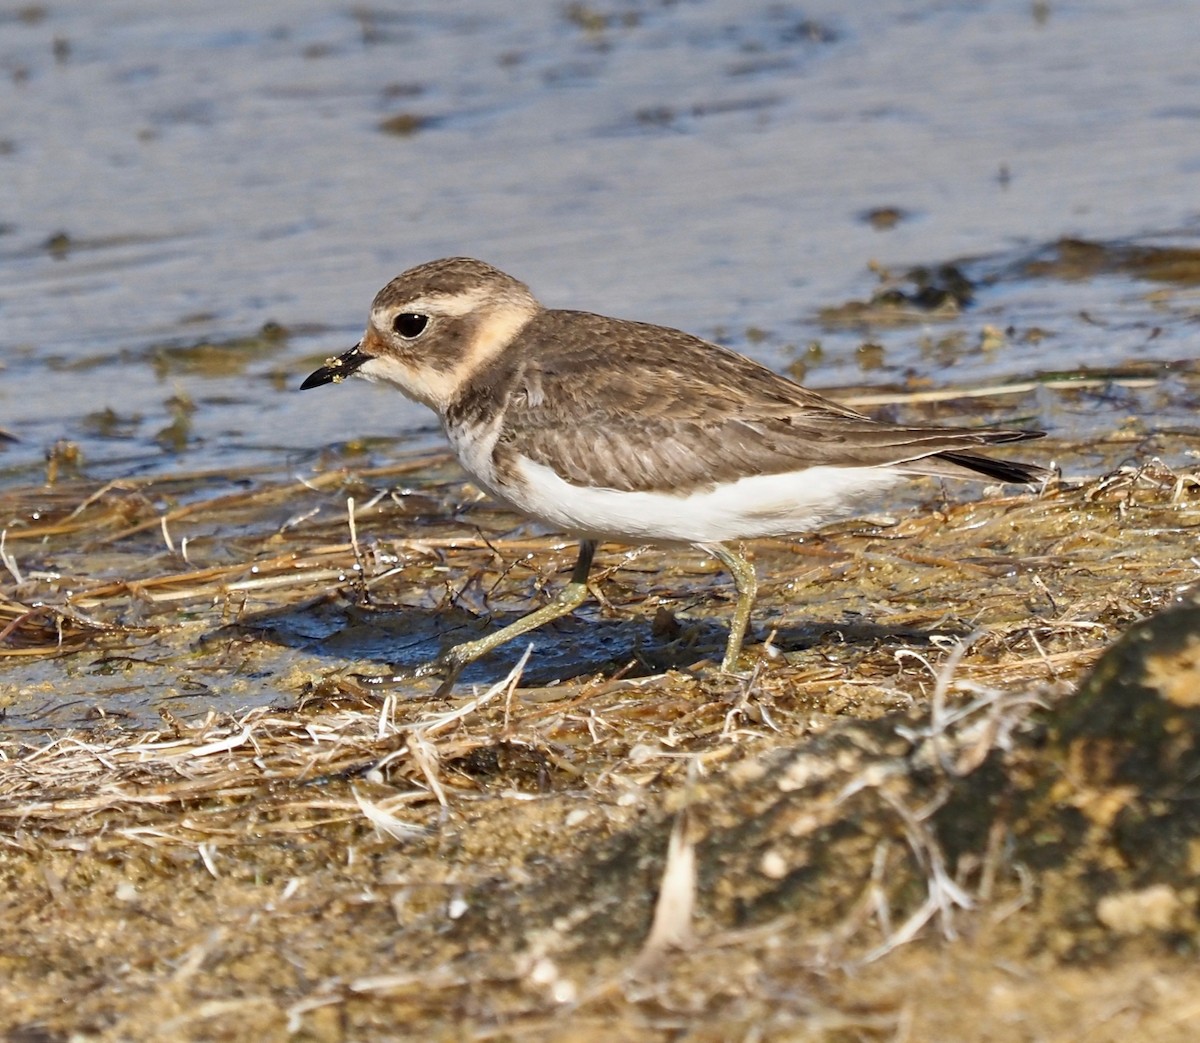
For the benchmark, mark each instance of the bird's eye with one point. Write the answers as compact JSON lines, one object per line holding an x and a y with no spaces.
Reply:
{"x":409,"y":324}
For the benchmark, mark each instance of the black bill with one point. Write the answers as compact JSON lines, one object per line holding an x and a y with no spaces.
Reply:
{"x":338,"y":368}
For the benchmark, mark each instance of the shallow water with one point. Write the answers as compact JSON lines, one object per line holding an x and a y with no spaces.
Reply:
{"x":198,"y":204}
{"x":175,"y":177}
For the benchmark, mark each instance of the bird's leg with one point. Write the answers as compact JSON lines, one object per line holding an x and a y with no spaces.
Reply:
{"x":746,"y":582}
{"x":568,"y":599}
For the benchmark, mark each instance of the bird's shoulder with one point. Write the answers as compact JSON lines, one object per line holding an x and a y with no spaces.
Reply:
{"x":587,"y":365}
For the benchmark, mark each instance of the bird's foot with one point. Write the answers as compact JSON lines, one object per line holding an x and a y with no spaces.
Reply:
{"x":450,"y":664}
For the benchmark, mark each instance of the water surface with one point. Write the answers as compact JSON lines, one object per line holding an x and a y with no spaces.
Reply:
{"x":177,"y":176}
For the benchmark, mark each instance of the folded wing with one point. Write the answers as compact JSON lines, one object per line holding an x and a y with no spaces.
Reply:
{"x":656,"y":407}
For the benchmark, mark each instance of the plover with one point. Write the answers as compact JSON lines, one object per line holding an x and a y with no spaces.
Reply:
{"x":608,"y":429}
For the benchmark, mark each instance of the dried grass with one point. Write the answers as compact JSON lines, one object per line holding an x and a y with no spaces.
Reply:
{"x":135,"y":784}
{"x":963,"y":617}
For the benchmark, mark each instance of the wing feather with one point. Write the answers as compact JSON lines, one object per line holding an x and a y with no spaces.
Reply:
{"x":629,"y":406}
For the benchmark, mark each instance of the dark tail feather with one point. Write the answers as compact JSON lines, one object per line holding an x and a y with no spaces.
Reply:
{"x":1000,"y":470}
{"x":957,"y":463}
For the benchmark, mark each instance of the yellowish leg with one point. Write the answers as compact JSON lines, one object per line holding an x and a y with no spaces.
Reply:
{"x":746,"y":582}
{"x":568,"y":599}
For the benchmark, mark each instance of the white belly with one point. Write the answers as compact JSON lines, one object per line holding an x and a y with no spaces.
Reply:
{"x":760,"y":505}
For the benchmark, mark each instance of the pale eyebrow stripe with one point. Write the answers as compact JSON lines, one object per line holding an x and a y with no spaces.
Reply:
{"x":453,"y":304}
